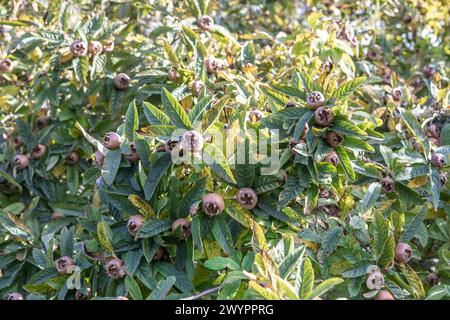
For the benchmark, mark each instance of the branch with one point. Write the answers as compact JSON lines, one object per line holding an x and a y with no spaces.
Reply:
{"x":201,"y":294}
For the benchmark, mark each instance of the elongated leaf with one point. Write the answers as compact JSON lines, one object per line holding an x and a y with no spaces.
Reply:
{"x":155,"y":174}
{"x":163,"y":289}
{"x":322,"y":288}
{"x":307,"y":279}
{"x":175,"y":111}
{"x":111,"y":165}
{"x":414,"y":127}
{"x":357,"y":144}
{"x":153,"y":227}
{"x":133,"y":288}
{"x":413,"y":226}
{"x":346,"y":163}
{"x":154,"y":115}
{"x":347,"y":88}
{"x":347,"y":128}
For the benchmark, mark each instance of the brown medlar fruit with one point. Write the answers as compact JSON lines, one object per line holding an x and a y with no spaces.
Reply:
{"x":437,"y":160}
{"x":6,"y":65}
{"x":114,"y":269}
{"x":375,"y":280}
{"x":112,"y":140}
{"x":72,"y":158}
{"x":387,"y":185}
{"x":205,"y":23}
{"x":192,"y":141}
{"x":122,"y":81}
{"x":38,"y":151}
{"x":384,"y":295}
{"x":185,"y":226}
{"x":197,"y":88}
{"x":315,"y":99}
{"x":324,"y":117}
{"x":95,"y":47}
{"x":332,"y":158}
{"x":334,"y":139}
{"x":173,"y":75}
{"x":213,"y":204}
{"x":133,"y":157}
{"x":247,"y":198}
{"x":403,"y":252}
{"x":79,"y":48}
{"x":63,"y":264}
{"x":21,"y":161}
{"x":134,"y":224}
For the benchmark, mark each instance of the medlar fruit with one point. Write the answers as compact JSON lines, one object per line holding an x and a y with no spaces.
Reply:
{"x":334,"y":139}
{"x":72,"y":158}
{"x":114,"y":269}
{"x":437,"y":160}
{"x":63,"y":264}
{"x":14,"y":296}
{"x":403,"y":252}
{"x":205,"y":23}
{"x":38,"y":151}
{"x":324,"y":117}
{"x":95,"y":47}
{"x":112,"y":140}
{"x":197,"y":88}
{"x":6,"y":65}
{"x":134,"y":224}
{"x":387,"y":185}
{"x":315,"y":99}
{"x":192,"y":141}
{"x":332,"y":158}
{"x":375,"y":280}
{"x":384,"y":295}
{"x":212,"y":204}
{"x":185,"y":227}
{"x":247,"y":198}
{"x":173,"y":75}
{"x":122,"y":81}
{"x":79,"y":48}
{"x":20,"y":161}
{"x":133,"y":157}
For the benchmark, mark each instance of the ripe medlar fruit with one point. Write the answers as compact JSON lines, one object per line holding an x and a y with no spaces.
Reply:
{"x":72,"y":158}
{"x":397,"y":94}
{"x":134,"y":224}
{"x":205,"y":23}
{"x":14,"y":296}
{"x":185,"y":226}
{"x":428,"y":71}
{"x":432,"y":279}
{"x":247,"y":198}
{"x":387,"y":185}
{"x":403,"y":252}
{"x":122,"y":81}
{"x":384,"y":295}
{"x":255,"y":116}
{"x":375,"y":280}
{"x":63,"y":264}
{"x":437,"y":160}
{"x":192,"y":141}
{"x":324,"y":117}
{"x":197,"y":88}
{"x":108,"y":46}
{"x":99,"y":158}
{"x":212,"y":65}
{"x":6,"y":65}
{"x":331,"y":210}
{"x":332,"y":158}
{"x":133,"y":157}
{"x":43,"y":121}
{"x":38,"y":151}
{"x":95,"y":47}
{"x":212,"y":204}
{"x":442,"y":178}
{"x":112,"y":140}
{"x":315,"y":99}
{"x":114,"y":269}
{"x":334,"y":139}
{"x":78,"y":48}
{"x":20,"y":161}
{"x":173,"y":75}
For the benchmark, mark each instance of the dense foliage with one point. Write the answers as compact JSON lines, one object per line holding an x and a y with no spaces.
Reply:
{"x":340,"y":109}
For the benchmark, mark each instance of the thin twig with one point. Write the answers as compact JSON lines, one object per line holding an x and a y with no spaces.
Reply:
{"x":201,"y":294}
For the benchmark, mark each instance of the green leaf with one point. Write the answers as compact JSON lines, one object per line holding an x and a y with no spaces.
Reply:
{"x":131,"y":122}
{"x":81,"y":68}
{"x":414,"y":127}
{"x":104,"y":234}
{"x":111,"y":165}
{"x":322,"y":288}
{"x":290,"y":262}
{"x":10,"y":180}
{"x":330,"y":240}
{"x":347,"y":128}
{"x":388,"y":254}
{"x":381,"y":233}
{"x":182,"y":282}
{"x":435,"y":184}
{"x":73,"y":181}
{"x":163,"y":289}
{"x":153,"y":227}
{"x":175,"y":111}
{"x":371,"y":196}
{"x":307,"y":279}
{"x":412,"y":227}
{"x":301,"y":124}
{"x":133,"y":288}
{"x":155,"y":173}
{"x":66,"y":241}
{"x":347,"y":88}
{"x":222,"y":234}
{"x":346,"y":163}
{"x":219,"y":164}
{"x":171,"y":55}
{"x":154,"y":115}
{"x":198,"y":110}
{"x":220,"y":263}
{"x":357,"y":144}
